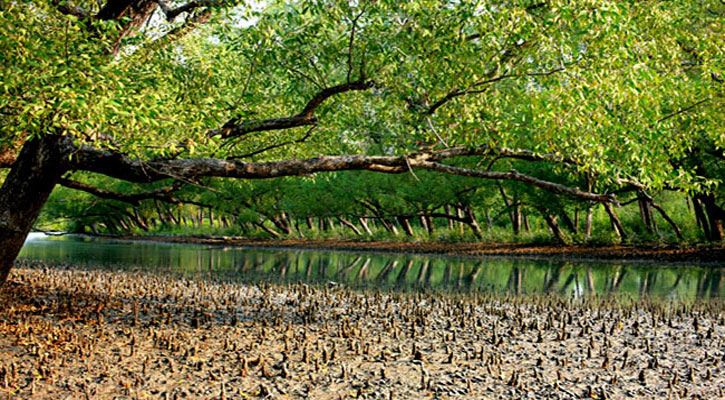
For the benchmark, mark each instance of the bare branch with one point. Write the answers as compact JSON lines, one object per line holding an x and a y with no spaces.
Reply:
{"x":680,"y":111}
{"x":352,"y":40}
{"x":274,"y":146}
{"x":514,"y":175}
{"x":134,"y":199}
{"x":235,"y":128}
{"x":475,"y":88}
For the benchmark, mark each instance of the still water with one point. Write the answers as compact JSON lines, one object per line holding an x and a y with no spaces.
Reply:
{"x":387,"y":271}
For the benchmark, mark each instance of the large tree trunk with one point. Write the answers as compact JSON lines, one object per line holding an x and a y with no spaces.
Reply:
{"x":25,"y":190}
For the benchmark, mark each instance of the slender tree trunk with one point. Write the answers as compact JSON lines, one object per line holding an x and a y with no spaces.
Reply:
{"x":140,"y":220}
{"x":170,"y":216}
{"x":714,"y":217}
{"x":645,"y":211}
{"x":525,"y":221}
{"x":268,"y":229}
{"x":430,"y":225}
{"x":509,"y":204}
{"x":459,"y":214}
{"x":393,"y":228}
{"x":364,"y":224}
{"x":700,"y":217}
{"x":588,"y":227}
{"x":447,"y":210}
{"x":568,"y":223}
{"x":616,"y":223}
{"x":310,"y":225}
{"x":350,"y":225}
{"x":121,"y":223}
{"x":489,"y":220}
{"x":473,"y":223}
{"x":24,"y":192}
{"x":554,"y":226}
{"x":669,"y":220}
{"x":516,"y":219}
{"x":424,"y":222}
{"x":296,"y":222}
{"x":161,"y":214}
{"x":405,"y":224}
{"x":282,"y":224}
{"x":200,"y":217}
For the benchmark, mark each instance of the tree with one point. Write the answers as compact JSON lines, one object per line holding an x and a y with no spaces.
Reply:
{"x":397,"y":86}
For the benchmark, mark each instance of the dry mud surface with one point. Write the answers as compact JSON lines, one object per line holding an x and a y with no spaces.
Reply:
{"x":703,"y":254}
{"x":67,"y":333}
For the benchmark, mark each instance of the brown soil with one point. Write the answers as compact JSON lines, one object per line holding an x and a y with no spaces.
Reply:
{"x":704,"y":254}
{"x":67,"y":333}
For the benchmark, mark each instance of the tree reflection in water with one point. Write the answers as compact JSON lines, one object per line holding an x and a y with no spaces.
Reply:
{"x":389,"y":271}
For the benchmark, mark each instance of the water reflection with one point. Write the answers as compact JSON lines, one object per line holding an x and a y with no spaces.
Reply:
{"x":400,"y":272}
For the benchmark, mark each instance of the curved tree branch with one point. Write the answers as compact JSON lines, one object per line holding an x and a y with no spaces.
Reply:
{"x":163,"y":193}
{"x":514,"y":175}
{"x":235,"y":128}
{"x":118,"y":166}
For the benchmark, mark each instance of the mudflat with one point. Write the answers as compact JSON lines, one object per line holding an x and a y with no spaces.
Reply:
{"x":71,"y":333}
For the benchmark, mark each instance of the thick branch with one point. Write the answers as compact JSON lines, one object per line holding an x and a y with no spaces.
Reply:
{"x":514,"y":175}
{"x":234,"y":127}
{"x":118,"y":166}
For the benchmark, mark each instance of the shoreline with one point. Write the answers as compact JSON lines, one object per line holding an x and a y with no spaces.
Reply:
{"x":705,"y":256}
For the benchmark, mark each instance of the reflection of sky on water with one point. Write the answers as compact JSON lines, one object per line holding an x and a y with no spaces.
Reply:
{"x":389,"y":271}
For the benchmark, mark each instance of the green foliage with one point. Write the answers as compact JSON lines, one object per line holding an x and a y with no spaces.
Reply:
{"x":624,"y":92}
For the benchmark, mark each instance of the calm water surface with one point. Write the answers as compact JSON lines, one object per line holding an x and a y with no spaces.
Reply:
{"x":387,"y":271}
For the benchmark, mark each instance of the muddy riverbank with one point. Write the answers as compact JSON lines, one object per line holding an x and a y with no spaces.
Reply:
{"x":69,"y":333}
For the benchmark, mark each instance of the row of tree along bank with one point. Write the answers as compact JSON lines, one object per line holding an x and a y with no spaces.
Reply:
{"x":368,"y":206}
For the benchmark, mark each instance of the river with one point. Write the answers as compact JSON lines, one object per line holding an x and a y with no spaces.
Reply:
{"x":405,"y":272}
